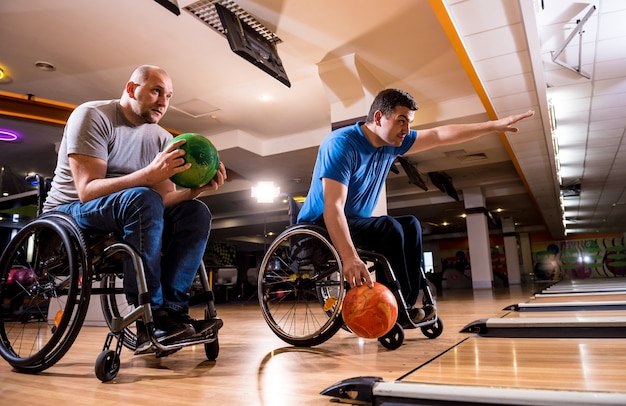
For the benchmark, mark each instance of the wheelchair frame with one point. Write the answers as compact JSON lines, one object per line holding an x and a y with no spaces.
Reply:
{"x":51,"y":263}
{"x":301,"y":289}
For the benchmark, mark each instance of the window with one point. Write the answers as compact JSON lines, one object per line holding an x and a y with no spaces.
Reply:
{"x":427,"y":261}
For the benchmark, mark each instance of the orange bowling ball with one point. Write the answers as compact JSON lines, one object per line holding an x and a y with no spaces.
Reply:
{"x":370,"y":312}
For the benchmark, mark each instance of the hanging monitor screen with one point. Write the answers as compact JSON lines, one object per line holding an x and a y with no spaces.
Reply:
{"x":171,"y":5}
{"x":251,"y":45}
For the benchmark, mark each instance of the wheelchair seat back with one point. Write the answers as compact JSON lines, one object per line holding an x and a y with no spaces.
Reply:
{"x":294,"y":210}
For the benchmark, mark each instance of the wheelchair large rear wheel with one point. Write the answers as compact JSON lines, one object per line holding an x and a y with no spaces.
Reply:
{"x":301,"y":287}
{"x":45,"y":283}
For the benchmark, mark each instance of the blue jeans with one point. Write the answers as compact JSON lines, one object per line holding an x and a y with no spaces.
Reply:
{"x":399,"y":239}
{"x":171,"y":241}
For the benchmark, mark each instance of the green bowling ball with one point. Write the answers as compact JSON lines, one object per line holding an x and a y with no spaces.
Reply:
{"x":204,"y":159}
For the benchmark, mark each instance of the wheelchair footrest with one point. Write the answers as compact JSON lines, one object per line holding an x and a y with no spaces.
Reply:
{"x":177,"y":345}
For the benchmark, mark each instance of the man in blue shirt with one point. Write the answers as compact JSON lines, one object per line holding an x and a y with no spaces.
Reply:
{"x":350,"y":172}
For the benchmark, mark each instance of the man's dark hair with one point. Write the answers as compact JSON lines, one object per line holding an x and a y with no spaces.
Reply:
{"x":388,"y":99}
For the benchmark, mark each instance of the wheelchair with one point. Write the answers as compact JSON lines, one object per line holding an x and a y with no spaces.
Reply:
{"x":48,"y":273}
{"x":301,"y":289}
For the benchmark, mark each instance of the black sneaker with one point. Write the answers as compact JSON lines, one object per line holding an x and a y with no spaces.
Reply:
{"x":430,"y":312}
{"x":207,"y":327}
{"x":144,"y":344}
{"x":165,"y":329}
{"x":201,"y":327}
{"x":173,"y":328}
{"x":417,"y":314}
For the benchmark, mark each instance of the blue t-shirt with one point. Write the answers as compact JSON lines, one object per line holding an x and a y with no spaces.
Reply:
{"x":346,"y":156}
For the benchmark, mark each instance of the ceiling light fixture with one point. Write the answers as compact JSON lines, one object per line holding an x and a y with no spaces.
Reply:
{"x":265,"y":192}
{"x":45,"y":66}
{"x":4,"y":76}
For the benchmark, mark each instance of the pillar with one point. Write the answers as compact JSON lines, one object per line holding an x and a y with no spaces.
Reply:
{"x":511,"y":251}
{"x":527,"y":256}
{"x":478,"y":236}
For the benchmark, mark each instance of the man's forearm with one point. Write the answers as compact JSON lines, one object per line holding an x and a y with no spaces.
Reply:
{"x":337,"y":226}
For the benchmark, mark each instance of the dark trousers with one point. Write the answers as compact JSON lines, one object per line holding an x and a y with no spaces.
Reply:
{"x":399,"y":239}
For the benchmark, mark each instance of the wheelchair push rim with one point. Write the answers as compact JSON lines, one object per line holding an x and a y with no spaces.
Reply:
{"x":43,"y":311}
{"x":301,"y":287}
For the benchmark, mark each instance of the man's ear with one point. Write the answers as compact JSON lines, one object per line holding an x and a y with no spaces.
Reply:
{"x":130,"y":89}
{"x":377,"y":116}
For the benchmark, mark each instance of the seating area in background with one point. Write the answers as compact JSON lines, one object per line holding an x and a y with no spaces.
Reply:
{"x":232,"y":285}
{"x":225,"y":282}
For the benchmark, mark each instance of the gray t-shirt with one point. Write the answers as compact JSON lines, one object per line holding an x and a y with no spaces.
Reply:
{"x":99,"y":129}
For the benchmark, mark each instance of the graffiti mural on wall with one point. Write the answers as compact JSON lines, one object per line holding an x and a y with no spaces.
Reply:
{"x":580,"y":259}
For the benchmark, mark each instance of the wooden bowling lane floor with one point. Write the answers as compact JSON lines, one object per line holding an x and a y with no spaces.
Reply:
{"x":581,"y":366}
{"x":601,"y":317}
{"x":587,"y":286}
{"x":527,"y":363}
{"x":580,"y":297}
{"x":597,"y":294}
{"x":254,"y":367}
{"x":591,"y":305}
{"x":575,"y":314}
{"x":540,"y":362}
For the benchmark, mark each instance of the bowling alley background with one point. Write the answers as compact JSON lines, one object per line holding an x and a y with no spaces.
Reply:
{"x":580,"y":259}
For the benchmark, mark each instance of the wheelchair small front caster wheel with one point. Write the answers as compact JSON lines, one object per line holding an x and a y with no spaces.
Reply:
{"x":107,"y":365}
{"x":394,"y":338}
{"x":212,"y":350}
{"x":433,"y":330}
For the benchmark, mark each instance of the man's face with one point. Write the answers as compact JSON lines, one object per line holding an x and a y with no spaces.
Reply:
{"x":151,"y":99}
{"x":394,"y":126}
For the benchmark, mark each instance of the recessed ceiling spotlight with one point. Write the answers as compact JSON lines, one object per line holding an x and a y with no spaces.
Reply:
{"x":45,"y":66}
{"x":4,"y":76}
